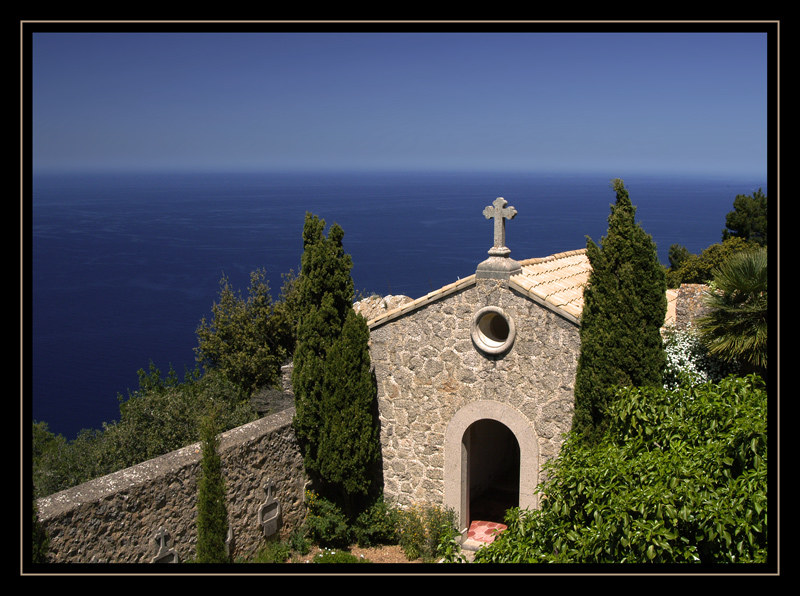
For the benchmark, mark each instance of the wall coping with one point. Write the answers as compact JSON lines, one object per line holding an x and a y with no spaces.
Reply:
{"x":143,"y":473}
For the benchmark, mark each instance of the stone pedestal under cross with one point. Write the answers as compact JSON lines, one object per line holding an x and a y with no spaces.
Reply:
{"x":498,"y":265}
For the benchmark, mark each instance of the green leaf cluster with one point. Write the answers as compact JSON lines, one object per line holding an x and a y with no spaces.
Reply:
{"x":680,"y":477}
{"x":746,"y":230}
{"x":429,"y":532}
{"x":326,"y":524}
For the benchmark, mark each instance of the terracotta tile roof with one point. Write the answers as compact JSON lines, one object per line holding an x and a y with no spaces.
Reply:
{"x":556,"y":282}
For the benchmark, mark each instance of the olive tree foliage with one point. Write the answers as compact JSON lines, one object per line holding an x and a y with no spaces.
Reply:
{"x":242,"y":340}
{"x":688,"y":268}
{"x":624,"y":309}
{"x":680,"y":476}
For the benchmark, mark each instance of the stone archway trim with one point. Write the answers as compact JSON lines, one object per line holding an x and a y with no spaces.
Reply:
{"x":455,"y":453}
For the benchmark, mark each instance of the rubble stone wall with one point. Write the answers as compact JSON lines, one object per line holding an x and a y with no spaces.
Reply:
{"x":690,"y":305}
{"x":119,"y":518}
{"x":428,"y":368}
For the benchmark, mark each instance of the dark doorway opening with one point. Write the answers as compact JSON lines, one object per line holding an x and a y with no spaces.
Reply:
{"x":493,"y":461}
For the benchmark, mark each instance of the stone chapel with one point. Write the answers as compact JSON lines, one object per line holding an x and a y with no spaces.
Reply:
{"x":475,"y":380}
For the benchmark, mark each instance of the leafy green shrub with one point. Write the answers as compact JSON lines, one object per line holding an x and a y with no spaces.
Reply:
{"x":273,"y":551}
{"x":298,"y":542}
{"x":376,"y":525}
{"x":680,"y":477}
{"x":325,"y":523}
{"x":338,"y":556}
{"x":426,"y":531}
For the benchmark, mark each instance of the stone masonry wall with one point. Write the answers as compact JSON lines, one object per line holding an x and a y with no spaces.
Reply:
{"x":427,"y":369}
{"x":114,"y":519}
{"x":690,"y":305}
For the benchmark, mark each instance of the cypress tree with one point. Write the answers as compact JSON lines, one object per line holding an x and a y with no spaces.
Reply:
{"x":324,"y":296}
{"x":349,"y":445}
{"x":624,"y":309}
{"x":212,"y":510}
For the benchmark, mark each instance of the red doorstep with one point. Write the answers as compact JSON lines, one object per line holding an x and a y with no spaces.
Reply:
{"x":484,"y":531}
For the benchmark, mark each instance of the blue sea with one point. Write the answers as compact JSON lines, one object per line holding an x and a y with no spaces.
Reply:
{"x":123,"y":267}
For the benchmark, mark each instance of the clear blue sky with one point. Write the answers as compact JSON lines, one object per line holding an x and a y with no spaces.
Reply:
{"x":663,"y":102}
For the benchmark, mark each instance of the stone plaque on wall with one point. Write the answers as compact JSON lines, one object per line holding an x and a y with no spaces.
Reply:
{"x":269,"y":514}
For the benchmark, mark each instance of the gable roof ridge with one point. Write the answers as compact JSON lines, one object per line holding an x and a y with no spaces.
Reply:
{"x":554,"y":257}
{"x":422,"y":301}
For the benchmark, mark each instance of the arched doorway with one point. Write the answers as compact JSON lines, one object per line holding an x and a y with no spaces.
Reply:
{"x":492,"y":470}
{"x":475,"y":436}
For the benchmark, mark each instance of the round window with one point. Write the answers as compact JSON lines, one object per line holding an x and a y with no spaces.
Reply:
{"x":492,"y":331}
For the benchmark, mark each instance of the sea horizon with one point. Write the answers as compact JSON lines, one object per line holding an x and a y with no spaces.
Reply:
{"x":123,"y":265}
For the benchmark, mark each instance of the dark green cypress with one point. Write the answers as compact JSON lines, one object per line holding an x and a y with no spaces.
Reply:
{"x":212,"y":510}
{"x":349,"y":445}
{"x":624,"y":309}
{"x":324,"y":295}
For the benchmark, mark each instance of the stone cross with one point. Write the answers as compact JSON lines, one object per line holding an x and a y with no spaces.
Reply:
{"x":164,"y":554}
{"x":500,"y":213}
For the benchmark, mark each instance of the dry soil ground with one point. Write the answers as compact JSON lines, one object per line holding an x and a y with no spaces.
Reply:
{"x":379,"y":554}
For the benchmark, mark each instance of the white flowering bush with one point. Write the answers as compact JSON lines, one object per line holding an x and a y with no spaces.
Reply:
{"x":688,"y":361}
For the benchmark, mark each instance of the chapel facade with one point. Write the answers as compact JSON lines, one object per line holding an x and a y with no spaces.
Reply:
{"x":476,"y":381}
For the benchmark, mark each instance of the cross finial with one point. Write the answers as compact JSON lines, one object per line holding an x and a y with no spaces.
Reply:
{"x":500,"y":212}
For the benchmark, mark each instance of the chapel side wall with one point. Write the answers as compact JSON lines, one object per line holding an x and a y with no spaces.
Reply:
{"x":112,"y":519}
{"x":427,"y":369}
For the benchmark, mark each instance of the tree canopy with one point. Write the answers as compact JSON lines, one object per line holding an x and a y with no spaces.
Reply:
{"x":242,"y":339}
{"x":748,"y":220}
